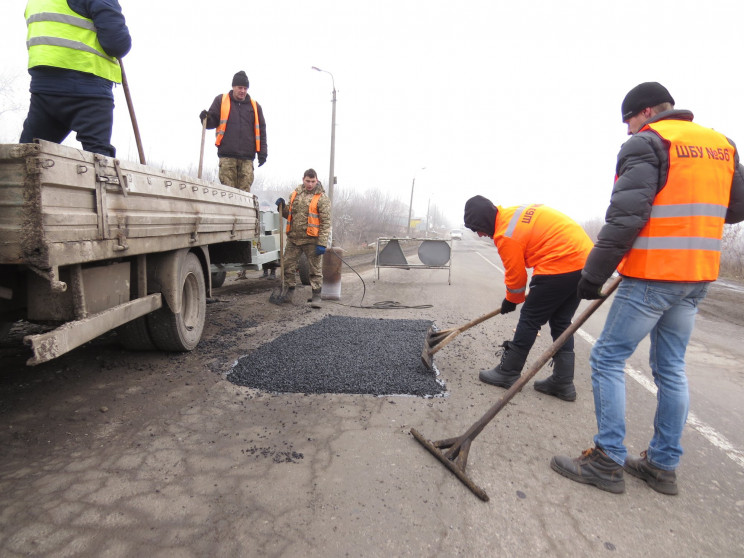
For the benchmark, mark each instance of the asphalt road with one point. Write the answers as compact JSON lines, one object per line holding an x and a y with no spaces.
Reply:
{"x":109,"y":453}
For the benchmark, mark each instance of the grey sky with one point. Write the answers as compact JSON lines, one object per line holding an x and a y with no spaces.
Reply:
{"x":517,"y":101}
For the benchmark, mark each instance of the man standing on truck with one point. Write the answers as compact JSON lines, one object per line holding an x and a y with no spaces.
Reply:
{"x":308,"y":216}
{"x":73,"y":47}
{"x":241,"y":133}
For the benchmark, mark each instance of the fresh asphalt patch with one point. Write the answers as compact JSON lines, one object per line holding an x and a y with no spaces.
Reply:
{"x":343,"y":355}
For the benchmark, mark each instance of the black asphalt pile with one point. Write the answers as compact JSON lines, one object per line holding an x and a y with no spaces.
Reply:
{"x":343,"y":355}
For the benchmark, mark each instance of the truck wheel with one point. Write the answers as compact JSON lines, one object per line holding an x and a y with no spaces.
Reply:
{"x":135,"y":336}
{"x":182,"y":332}
{"x":304,"y":268}
{"x":218,"y":279}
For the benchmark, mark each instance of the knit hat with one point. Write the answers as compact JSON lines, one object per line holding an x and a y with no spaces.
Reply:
{"x":480,"y":215}
{"x":648,"y":94}
{"x":240,"y":79}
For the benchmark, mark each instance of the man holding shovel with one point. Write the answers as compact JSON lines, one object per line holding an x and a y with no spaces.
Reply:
{"x":539,"y":237}
{"x":240,"y":133}
{"x":73,"y":52}
{"x":677,"y":184}
{"x":308,"y":215}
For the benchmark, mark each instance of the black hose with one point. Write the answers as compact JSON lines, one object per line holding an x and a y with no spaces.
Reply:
{"x":382,"y":305}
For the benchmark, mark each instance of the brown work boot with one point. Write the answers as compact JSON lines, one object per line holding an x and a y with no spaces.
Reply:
{"x":592,"y":467}
{"x":315,"y":301}
{"x":659,"y":479}
{"x":241,"y":274}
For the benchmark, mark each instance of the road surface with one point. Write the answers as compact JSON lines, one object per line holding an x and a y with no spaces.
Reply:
{"x":110,"y":453}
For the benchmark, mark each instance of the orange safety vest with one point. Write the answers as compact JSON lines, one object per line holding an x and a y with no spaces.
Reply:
{"x":539,"y":237}
{"x":682,"y":239}
{"x":225,"y":114}
{"x":313,"y":217}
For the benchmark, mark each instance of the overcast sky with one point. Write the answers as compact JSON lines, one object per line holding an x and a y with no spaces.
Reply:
{"x":517,"y":101}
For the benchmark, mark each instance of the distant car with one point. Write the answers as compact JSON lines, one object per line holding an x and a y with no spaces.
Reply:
{"x":456,"y":234}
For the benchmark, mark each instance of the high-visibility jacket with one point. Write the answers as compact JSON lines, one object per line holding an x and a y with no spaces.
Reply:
{"x":313,"y":216}
{"x":59,"y":37}
{"x":539,"y":237}
{"x":225,"y":114}
{"x":681,"y":241}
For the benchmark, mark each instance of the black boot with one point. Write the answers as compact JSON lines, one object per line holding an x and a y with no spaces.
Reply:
{"x":560,"y":384}
{"x":508,"y":370}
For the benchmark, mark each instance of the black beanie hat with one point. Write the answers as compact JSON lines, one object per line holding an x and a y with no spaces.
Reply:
{"x":648,"y":94}
{"x":240,"y":79}
{"x":480,"y":215}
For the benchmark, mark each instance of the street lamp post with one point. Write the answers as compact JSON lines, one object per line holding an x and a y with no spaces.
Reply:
{"x":410,"y":205}
{"x":331,"y":177}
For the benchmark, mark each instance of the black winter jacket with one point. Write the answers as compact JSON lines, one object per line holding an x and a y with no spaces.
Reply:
{"x":239,"y":141}
{"x":642,"y":171}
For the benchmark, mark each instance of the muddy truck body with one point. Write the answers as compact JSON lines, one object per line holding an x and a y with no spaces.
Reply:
{"x":89,"y":244}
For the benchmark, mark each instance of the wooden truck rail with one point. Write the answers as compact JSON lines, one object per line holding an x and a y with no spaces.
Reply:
{"x":94,"y":243}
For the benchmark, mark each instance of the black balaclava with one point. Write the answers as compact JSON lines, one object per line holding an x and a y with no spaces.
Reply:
{"x":480,"y":215}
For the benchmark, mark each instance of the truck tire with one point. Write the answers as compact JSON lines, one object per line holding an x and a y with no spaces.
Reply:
{"x":304,"y":269}
{"x":182,"y":331}
{"x":135,"y":335}
{"x":218,"y":279}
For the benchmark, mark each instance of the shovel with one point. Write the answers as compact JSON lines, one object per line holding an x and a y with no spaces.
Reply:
{"x":456,"y":458}
{"x":130,"y":106}
{"x":201,"y":151}
{"x":436,"y":339}
{"x":278,"y":297}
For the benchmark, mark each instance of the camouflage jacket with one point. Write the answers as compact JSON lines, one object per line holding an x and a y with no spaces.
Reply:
{"x":298,"y":230}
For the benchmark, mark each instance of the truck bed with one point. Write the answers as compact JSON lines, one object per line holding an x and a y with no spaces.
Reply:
{"x":61,"y":206}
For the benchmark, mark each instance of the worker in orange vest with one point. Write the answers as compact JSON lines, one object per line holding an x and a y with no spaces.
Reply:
{"x":677,"y":184}
{"x":240,"y":134}
{"x":308,"y":215}
{"x":534,"y":236}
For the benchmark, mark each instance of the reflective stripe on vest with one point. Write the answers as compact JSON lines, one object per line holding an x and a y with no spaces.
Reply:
{"x":225,"y":114}
{"x":61,"y":38}
{"x":682,"y":239}
{"x":313,"y":217}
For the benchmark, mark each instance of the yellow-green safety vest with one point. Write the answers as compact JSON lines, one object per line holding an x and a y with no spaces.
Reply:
{"x":62,"y":38}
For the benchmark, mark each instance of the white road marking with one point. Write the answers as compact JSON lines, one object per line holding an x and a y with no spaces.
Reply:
{"x":707,"y":432}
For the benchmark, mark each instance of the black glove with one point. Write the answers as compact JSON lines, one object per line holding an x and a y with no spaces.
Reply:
{"x":507,"y":306}
{"x":588,"y":290}
{"x":261,"y":161}
{"x":319,"y":250}
{"x":203,"y":114}
{"x":279,"y":202}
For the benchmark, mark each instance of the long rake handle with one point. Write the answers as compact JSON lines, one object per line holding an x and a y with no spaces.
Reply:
{"x":479,"y":425}
{"x":475,"y":322}
{"x":451,"y":334}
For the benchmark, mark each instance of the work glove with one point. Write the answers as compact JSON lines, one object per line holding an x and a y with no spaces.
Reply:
{"x":261,"y":161}
{"x":202,"y":115}
{"x":507,"y":306}
{"x":279,"y":202}
{"x":319,"y":250}
{"x":588,"y":290}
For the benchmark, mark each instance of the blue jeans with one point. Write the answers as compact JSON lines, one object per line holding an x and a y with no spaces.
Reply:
{"x":666,"y":311}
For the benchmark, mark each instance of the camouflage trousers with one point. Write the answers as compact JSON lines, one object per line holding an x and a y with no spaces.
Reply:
{"x":237,"y":173}
{"x":292,"y":253}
